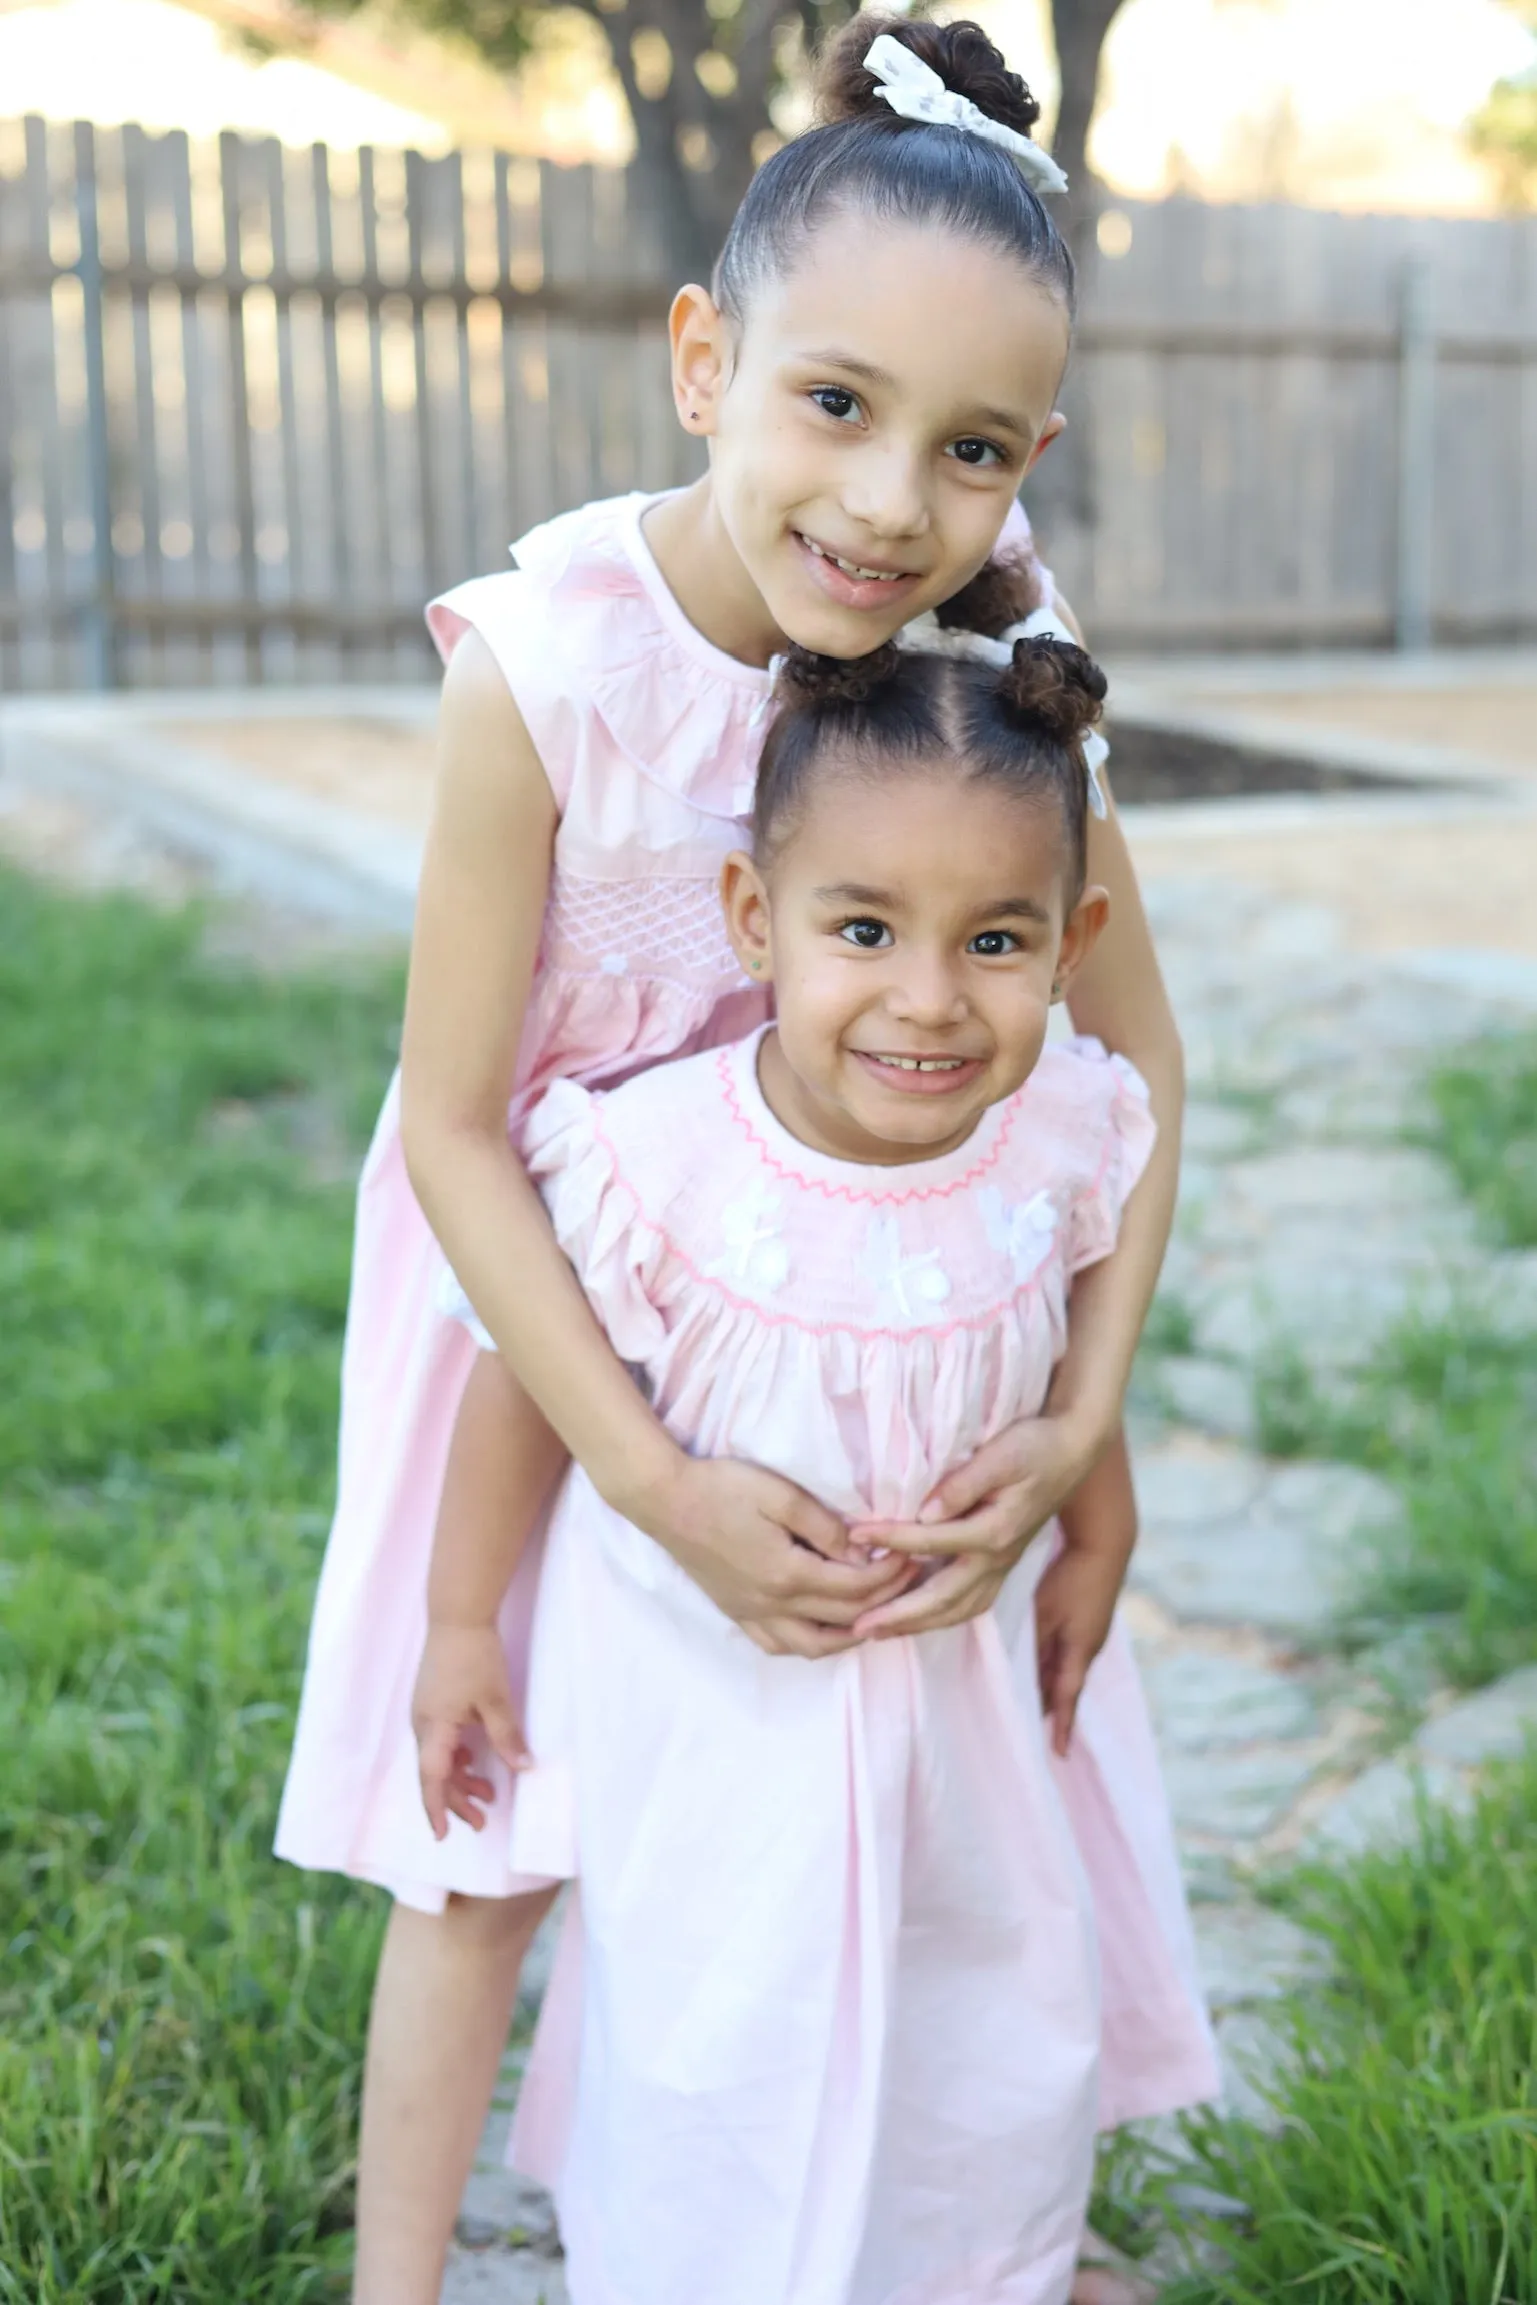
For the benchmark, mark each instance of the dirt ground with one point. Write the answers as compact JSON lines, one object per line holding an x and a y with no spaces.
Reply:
{"x":381,"y":767}
{"x":1498,"y":724}
{"x":1463,"y":884}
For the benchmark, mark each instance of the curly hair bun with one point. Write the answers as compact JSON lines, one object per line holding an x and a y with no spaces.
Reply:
{"x":962,"y":54}
{"x":804,"y":677}
{"x":1054,"y":684}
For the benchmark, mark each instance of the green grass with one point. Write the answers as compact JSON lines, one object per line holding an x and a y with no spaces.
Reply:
{"x":1446,"y":1407}
{"x":1485,"y":1128}
{"x":180,"y":2017}
{"x":1404,"y":2171}
{"x":1445,"y":1411}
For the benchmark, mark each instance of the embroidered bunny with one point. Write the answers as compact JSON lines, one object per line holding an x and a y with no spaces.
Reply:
{"x":916,"y":1283}
{"x":1022,"y":1232}
{"x":755,"y":1254}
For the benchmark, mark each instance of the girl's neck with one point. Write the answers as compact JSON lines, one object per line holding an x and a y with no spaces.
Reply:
{"x":702,"y":571}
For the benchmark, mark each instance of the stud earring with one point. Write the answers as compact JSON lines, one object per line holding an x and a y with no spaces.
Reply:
{"x":1056,"y":988}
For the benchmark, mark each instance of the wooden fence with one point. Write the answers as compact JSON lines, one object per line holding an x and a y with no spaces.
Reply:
{"x":257,"y":404}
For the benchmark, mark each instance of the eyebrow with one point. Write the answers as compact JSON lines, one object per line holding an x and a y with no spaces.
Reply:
{"x":885,"y":900}
{"x":995,"y":419}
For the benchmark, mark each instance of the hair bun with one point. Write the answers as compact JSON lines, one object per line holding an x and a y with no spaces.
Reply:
{"x":962,"y":54}
{"x":1056,"y":684}
{"x":804,"y":677}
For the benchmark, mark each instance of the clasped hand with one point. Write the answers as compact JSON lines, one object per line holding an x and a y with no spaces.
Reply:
{"x":800,"y":1582}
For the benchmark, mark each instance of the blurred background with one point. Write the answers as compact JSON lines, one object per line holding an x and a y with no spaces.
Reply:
{"x":307,"y":307}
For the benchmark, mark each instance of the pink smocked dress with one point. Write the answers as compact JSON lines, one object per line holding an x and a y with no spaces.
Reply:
{"x":650,"y":739}
{"x":856,"y":1967}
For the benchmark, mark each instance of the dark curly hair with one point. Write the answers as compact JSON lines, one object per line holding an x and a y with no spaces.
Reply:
{"x":1019,"y":724}
{"x":863,"y":156}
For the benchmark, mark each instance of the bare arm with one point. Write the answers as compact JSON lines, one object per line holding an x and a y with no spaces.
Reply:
{"x":485,"y":878}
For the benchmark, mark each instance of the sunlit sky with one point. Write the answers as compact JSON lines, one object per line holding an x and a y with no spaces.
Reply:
{"x":1356,"y":103}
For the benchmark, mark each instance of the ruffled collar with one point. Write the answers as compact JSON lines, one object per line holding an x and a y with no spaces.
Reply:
{"x":688,"y":716}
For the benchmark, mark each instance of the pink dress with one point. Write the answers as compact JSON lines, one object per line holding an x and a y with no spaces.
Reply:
{"x":856,"y":1967}
{"x":650,"y":738}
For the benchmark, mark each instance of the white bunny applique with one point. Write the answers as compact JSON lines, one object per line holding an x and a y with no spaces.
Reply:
{"x":917,"y":1284}
{"x":1023,"y":1232}
{"x":755,"y":1255}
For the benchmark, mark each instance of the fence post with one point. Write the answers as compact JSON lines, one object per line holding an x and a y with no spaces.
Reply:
{"x":1416,"y":520}
{"x":100,"y":619}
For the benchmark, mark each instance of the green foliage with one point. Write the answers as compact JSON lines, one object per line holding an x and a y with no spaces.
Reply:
{"x":1504,"y":129}
{"x":180,"y":2017}
{"x":1485,"y":1107}
{"x":1404,"y":2169}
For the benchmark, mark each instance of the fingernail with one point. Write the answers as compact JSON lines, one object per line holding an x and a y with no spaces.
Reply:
{"x":933,"y":1511}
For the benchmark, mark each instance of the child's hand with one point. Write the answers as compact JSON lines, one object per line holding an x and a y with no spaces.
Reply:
{"x":1075,"y":1600}
{"x":980,"y":1517}
{"x":1074,"y":1605}
{"x":771,"y":1558}
{"x":462,"y":1685}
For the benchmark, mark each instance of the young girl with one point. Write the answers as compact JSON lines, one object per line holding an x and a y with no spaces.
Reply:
{"x":828,"y":2027}
{"x":874,"y":372}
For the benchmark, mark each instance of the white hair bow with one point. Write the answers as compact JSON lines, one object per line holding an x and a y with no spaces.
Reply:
{"x":931,"y":638}
{"x":913,"y":89}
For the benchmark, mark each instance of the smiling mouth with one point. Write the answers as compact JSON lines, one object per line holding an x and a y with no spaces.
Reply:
{"x":921,"y":1075}
{"x":856,"y":568}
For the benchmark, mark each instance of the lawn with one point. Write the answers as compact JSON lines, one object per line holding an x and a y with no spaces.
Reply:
{"x":1404,"y":2171}
{"x":180,"y":2017}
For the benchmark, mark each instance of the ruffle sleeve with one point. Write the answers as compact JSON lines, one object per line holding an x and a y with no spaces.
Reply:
{"x":597,"y":1217}
{"x":1115,"y":1112}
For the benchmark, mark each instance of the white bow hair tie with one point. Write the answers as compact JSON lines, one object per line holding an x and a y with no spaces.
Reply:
{"x":931,"y":638}
{"x":915,"y":91}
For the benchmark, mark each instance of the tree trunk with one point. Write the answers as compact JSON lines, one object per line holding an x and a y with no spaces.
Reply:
{"x":694,"y":147}
{"x":1061,"y":496}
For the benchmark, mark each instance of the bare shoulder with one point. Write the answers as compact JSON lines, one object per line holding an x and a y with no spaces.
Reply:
{"x":489,"y":772}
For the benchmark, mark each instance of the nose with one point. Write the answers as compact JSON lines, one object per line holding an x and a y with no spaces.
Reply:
{"x":884,"y":489}
{"x":926,"y":991}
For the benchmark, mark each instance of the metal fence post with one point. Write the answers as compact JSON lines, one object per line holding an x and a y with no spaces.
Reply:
{"x":1413,"y":606}
{"x":100,"y":619}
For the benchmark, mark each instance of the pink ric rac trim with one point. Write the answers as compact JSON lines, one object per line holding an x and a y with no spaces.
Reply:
{"x":711,"y":1283}
{"x":851,"y":1193}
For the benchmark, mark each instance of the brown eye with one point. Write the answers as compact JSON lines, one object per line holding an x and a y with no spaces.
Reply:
{"x":869,"y":935}
{"x":994,"y":944}
{"x":836,"y":400}
{"x":979,"y":454}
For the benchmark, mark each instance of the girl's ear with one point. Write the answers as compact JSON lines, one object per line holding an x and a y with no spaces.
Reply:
{"x":744,"y":900}
{"x":700,"y":358}
{"x":1055,"y":426}
{"x":1079,"y":938}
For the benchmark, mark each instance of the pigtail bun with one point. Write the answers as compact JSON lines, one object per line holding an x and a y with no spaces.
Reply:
{"x":1054,"y":686}
{"x":962,"y":54}
{"x":1004,"y":591}
{"x":805,"y":678}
